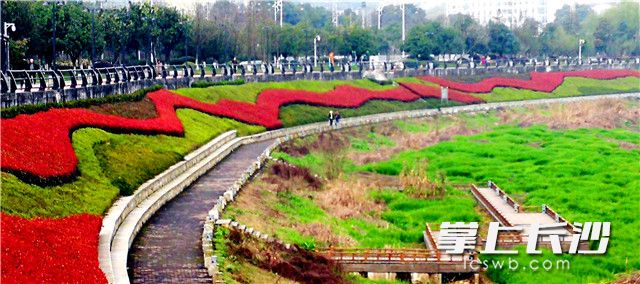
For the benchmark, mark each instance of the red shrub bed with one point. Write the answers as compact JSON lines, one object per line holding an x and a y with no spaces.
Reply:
{"x":38,"y":147}
{"x":435,"y":92}
{"x":540,"y":81}
{"x":47,"y":250}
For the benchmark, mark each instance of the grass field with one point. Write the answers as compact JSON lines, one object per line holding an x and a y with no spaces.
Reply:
{"x":293,"y":115}
{"x":595,"y":181}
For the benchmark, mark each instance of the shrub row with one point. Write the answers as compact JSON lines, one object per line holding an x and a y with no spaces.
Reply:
{"x":47,"y":250}
{"x":540,"y":81}
{"x":29,"y":109}
{"x":205,"y":84}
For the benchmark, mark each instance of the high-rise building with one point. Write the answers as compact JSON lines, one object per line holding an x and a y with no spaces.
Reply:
{"x":509,"y":12}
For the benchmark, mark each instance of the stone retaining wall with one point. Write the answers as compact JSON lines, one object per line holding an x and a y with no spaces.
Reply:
{"x":122,"y":209}
{"x":283,"y":135}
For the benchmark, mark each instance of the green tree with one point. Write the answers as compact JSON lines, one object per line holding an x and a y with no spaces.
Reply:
{"x":472,"y":33}
{"x":502,"y":40}
{"x":433,"y":39}
{"x":556,"y":41}
{"x":528,"y":35}
{"x":173,"y":29}
{"x":75,"y":34}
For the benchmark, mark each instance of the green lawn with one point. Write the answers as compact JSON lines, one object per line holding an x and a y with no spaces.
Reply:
{"x":584,"y":174}
{"x":298,"y":114}
{"x":110,"y":163}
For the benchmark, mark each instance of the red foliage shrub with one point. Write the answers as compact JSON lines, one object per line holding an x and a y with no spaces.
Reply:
{"x":46,"y":250}
{"x":434,"y":92}
{"x":540,"y":81}
{"x":38,"y":147}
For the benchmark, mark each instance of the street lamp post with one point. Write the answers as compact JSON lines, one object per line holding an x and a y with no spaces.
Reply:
{"x":306,"y":52}
{"x":581,"y":43}
{"x":403,"y":22}
{"x":5,"y":44}
{"x":93,"y":34}
{"x":53,"y":23}
{"x":316,"y":39}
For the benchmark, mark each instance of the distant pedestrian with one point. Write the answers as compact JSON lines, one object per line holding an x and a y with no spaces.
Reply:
{"x":331,"y":118}
{"x":338,"y":117}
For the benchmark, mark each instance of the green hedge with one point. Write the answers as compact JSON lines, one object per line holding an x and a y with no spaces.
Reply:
{"x":381,"y":82}
{"x":29,"y":109}
{"x":205,"y":84}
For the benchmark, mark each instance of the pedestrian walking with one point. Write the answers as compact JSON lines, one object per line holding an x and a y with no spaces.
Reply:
{"x":331,"y":117}
{"x":338,"y":117}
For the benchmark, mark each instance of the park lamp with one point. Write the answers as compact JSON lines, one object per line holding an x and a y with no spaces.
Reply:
{"x":7,"y":26}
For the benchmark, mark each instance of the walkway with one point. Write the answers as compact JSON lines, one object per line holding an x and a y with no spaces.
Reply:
{"x":168,"y":249}
{"x":398,"y":260}
{"x":509,"y":213}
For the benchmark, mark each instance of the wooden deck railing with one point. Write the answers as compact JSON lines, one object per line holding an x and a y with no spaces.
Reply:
{"x":430,"y":238}
{"x":489,"y":206}
{"x":515,"y":205}
{"x":555,"y":216}
{"x":363,"y":255}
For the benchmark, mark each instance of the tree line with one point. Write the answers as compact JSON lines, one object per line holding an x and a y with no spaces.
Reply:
{"x":140,"y":33}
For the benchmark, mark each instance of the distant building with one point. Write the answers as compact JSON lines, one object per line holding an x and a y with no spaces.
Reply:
{"x":509,"y":12}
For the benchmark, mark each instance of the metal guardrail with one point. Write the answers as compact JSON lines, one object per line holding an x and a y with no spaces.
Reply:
{"x":14,"y":81}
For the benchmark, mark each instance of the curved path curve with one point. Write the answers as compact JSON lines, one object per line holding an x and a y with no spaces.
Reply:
{"x":168,"y":249}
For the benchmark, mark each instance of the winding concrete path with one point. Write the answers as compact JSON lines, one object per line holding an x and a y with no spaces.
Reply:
{"x":168,"y":249}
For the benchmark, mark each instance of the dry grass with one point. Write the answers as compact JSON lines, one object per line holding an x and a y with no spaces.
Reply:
{"x":414,"y":141}
{"x":416,"y":182}
{"x":348,"y":198}
{"x":139,"y":109}
{"x":606,"y":113}
{"x":323,"y":233}
{"x":253,"y":201}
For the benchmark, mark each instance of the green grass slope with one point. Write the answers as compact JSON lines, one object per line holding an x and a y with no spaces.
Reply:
{"x":584,"y":174}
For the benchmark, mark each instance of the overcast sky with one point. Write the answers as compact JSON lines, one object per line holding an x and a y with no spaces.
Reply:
{"x":425,"y":4}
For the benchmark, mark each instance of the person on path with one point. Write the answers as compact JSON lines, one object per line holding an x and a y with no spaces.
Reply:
{"x":331,"y":117}
{"x":338,"y":117}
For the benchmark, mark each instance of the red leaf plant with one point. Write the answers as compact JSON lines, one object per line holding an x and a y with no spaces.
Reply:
{"x":435,"y":92}
{"x":37,"y":147}
{"x":540,"y":81}
{"x":48,"y":250}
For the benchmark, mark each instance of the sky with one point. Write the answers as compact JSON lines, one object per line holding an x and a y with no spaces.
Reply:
{"x":424,"y":4}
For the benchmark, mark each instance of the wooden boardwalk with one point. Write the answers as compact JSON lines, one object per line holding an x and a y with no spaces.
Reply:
{"x":168,"y":249}
{"x":399,"y":260}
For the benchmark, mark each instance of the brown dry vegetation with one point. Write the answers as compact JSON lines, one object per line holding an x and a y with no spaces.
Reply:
{"x":287,"y":172}
{"x":296,"y":263}
{"x":417,"y":184}
{"x":324,"y":234}
{"x":414,"y":141}
{"x":607,"y":114}
{"x":347,"y":198}
{"x":137,"y":109}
